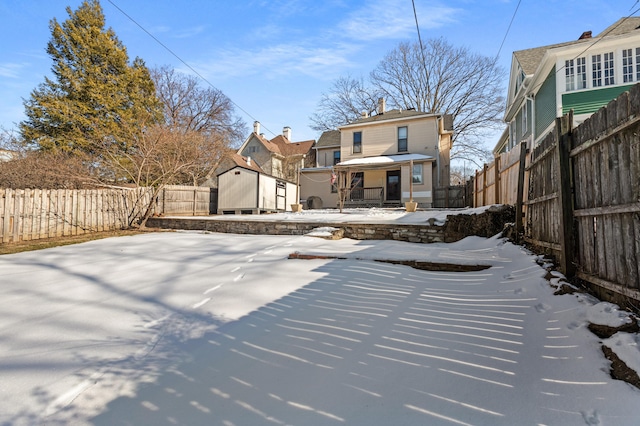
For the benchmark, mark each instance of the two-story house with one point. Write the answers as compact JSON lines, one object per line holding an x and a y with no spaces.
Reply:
{"x":391,"y":157}
{"x":580,"y":75}
{"x":278,"y":157}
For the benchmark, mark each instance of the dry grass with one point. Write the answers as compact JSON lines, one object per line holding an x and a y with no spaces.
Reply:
{"x":19,"y":247}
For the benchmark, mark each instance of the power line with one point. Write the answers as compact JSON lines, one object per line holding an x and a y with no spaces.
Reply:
{"x":509,"y":28}
{"x":184,"y":62}
{"x":424,"y":61}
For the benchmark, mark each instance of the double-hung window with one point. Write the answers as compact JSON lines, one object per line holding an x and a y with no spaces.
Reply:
{"x":581,"y":73}
{"x":609,"y":69}
{"x":570,"y":75}
{"x":627,"y":65}
{"x":596,"y":70}
{"x":336,"y":157}
{"x":402,"y":139}
{"x":357,"y":142}
{"x":416,"y":174}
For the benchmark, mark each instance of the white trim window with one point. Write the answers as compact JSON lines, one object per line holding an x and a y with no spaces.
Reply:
{"x":525,"y":117}
{"x":609,"y":69}
{"x":596,"y":70}
{"x":637,"y":63}
{"x":416,"y":174}
{"x":581,"y":73}
{"x":627,"y":65}
{"x":357,"y":142}
{"x":570,"y":75}
{"x":403,"y":145}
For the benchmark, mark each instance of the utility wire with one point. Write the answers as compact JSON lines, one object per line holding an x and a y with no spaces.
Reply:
{"x":424,"y":61}
{"x":184,"y":62}
{"x":509,"y":28}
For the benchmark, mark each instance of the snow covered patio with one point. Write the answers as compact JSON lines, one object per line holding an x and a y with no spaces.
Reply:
{"x":199,"y":328}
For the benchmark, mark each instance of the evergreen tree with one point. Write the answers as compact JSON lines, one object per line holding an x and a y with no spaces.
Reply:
{"x":96,"y":99}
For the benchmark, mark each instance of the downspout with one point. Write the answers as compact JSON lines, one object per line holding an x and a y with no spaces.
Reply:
{"x":533,"y":118}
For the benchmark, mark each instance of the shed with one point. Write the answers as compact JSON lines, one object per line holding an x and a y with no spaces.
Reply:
{"x":246,"y":189}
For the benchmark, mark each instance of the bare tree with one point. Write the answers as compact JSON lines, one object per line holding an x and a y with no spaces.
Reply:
{"x":162,"y":156}
{"x":439,"y":79}
{"x":347,"y":99}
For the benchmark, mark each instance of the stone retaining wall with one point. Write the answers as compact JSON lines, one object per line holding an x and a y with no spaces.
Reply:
{"x":456,"y":228}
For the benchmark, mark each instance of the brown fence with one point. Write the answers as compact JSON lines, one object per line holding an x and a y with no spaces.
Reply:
{"x":605,"y":158}
{"x":32,"y":214}
{"x":187,"y":200}
{"x":455,"y":196}
{"x":582,"y":203}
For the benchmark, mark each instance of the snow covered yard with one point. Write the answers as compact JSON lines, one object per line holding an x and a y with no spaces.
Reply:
{"x":196,"y":328}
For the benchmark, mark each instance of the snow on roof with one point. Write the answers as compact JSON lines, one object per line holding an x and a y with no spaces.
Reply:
{"x":386,"y":159}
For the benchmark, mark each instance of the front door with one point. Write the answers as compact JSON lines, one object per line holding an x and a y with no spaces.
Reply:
{"x":393,"y":185}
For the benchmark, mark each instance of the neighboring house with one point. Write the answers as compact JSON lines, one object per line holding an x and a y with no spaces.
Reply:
{"x":278,"y":157}
{"x":581,"y":75}
{"x":245,"y":188}
{"x":391,"y":157}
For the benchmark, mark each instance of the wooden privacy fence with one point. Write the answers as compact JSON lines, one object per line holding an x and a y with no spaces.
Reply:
{"x":605,"y":161}
{"x":497,"y":182}
{"x":31,"y":214}
{"x":584,"y":198}
{"x":187,"y":200}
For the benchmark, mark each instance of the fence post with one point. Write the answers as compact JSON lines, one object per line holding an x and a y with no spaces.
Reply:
{"x":563,"y":148}
{"x":496,"y":179}
{"x":520,"y":195}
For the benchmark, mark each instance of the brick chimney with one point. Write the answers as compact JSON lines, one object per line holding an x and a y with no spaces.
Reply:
{"x":382,"y":106}
{"x":286,"y":132}
{"x":256,"y":127}
{"x":585,"y":35}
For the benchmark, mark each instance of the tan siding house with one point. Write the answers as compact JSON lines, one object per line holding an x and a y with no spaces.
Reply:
{"x":386,"y":159}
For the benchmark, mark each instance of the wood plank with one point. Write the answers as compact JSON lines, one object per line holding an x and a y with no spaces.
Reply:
{"x":631,"y":257}
{"x":609,"y":210}
{"x":625,"y":291}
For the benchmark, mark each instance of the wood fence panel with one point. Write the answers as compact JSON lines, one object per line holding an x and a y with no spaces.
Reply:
{"x":606,"y":159}
{"x":184,"y":200}
{"x":33,"y":214}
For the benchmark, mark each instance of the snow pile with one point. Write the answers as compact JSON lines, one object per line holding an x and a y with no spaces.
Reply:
{"x":363,"y":215}
{"x":205,"y":328}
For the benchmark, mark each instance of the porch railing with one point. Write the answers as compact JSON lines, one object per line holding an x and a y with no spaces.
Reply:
{"x":373,"y":197}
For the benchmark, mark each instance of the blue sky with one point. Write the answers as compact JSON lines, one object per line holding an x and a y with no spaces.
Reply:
{"x":274,"y":58}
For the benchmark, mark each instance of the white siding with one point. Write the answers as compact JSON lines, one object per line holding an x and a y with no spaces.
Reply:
{"x":237,"y":189}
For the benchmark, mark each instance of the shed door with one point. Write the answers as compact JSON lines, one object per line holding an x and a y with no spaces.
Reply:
{"x":281,"y":195}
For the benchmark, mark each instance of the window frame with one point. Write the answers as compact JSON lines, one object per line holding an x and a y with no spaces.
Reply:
{"x":403,"y":143}
{"x":628,"y":70}
{"x":596,"y":70}
{"x":336,"y":158}
{"x":609,"y":68}
{"x":570,"y":75}
{"x":420,"y":174}
{"x":357,"y":143}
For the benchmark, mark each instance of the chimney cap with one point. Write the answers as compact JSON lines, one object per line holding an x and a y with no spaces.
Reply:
{"x":585,"y":35}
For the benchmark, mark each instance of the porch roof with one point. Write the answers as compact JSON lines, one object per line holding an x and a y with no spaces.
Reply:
{"x":382,"y":161}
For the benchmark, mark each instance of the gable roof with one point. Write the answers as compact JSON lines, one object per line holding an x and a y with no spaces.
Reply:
{"x":329,"y":138}
{"x":529,"y":59}
{"x":281,"y":145}
{"x":243,"y":162}
{"x":394,"y":114}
